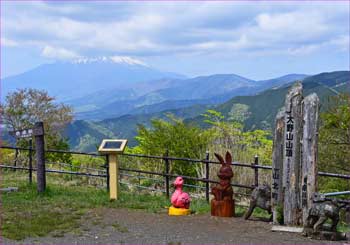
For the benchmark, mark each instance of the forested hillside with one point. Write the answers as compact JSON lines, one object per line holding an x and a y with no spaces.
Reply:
{"x":255,"y":112}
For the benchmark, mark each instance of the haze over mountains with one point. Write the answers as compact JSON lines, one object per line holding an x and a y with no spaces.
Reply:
{"x":106,"y":87}
{"x":114,"y":94}
{"x":71,"y":80}
{"x":261,"y":111}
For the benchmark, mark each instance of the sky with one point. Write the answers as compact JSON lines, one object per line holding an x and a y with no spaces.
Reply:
{"x":258,"y":40}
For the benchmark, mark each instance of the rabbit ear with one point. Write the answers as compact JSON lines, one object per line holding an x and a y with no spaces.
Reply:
{"x":220,"y":158}
{"x":228,"y":158}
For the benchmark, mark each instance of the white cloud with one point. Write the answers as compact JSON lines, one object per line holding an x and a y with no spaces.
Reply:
{"x":303,"y":50}
{"x":58,"y":53}
{"x":8,"y":43}
{"x":164,"y":28}
{"x":341,"y":42}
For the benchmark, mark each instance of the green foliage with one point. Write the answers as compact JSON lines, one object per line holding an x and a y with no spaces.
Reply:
{"x":244,"y":144}
{"x":59,"y":144}
{"x":239,"y":113}
{"x":213,"y":117}
{"x":180,"y":139}
{"x":334,"y":142}
{"x":280,"y":217}
{"x":24,"y":107}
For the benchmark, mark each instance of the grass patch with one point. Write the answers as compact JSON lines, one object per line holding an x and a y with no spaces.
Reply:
{"x":58,"y":210}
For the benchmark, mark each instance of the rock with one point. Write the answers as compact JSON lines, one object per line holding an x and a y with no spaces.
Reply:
{"x":9,"y":189}
{"x":324,"y":235}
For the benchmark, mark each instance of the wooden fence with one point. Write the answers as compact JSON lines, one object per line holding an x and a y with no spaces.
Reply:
{"x":166,"y":160}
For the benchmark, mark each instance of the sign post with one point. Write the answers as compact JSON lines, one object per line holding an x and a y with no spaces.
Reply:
{"x":38,"y":132}
{"x":113,"y":147}
{"x":295,"y":153}
{"x":30,"y":160}
{"x":292,"y":155}
{"x":277,"y":167}
{"x":309,"y":150}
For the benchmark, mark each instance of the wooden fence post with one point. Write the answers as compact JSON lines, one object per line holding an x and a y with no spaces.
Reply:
{"x":40,"y":155}
{"x":277,"y":166}
{"x":166,"y":159}
{"x":16,"y":159}
{"x":309,"y":152}
{"x":30,"y":152}
{"x":292,"y":155}
{"x":256,"y":171}
{"x":207,"y":174}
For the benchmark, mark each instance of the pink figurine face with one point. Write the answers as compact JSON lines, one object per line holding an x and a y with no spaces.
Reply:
{"x":179,"y":181}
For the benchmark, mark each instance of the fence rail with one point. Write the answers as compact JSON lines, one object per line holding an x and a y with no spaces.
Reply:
{"x":166,"y":159}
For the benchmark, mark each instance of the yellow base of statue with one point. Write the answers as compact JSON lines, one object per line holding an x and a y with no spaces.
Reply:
{"x":179,"y":211}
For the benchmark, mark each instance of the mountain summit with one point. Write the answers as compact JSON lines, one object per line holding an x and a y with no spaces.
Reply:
{"x":70,"y":80}
{"x":111,"y":59}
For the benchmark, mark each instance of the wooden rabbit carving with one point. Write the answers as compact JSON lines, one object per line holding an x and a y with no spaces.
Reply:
{"x":223,"y":204}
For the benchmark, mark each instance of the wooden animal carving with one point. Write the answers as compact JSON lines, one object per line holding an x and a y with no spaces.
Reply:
{"x":260,"y":197}
{"x":321,"y":210}
{"x":223,"y":204}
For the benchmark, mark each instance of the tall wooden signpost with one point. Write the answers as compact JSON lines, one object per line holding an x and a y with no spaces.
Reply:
{"x":294,"y":167}
{"x":292,"y":157}
{"x":277,"y":166}
{"x":38,"y":132}
{"x":309,"y":150}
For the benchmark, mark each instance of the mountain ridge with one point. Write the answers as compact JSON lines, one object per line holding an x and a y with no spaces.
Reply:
{"x":262,"y":108}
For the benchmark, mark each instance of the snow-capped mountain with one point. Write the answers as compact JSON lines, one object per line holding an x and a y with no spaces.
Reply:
{"x":69,"y":80}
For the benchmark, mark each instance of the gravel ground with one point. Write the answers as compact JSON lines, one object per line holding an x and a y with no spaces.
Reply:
{"x":122,"y":226}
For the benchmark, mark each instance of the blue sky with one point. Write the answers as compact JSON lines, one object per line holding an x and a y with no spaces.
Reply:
{"x":258,"y":40}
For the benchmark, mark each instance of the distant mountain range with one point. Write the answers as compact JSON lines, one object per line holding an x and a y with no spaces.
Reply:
{"x":79,"y":78}
{"x":262,"y":110}
{"x":112,"y":95}
{"x":106,"y":87}
{"x":173,"y":94}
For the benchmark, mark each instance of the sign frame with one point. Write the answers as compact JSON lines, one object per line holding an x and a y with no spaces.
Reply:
{"x":23,"y":133}
{"x":103,"y":150}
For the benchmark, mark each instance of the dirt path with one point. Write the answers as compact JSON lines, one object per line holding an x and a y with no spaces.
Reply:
{"x":122,"y":226}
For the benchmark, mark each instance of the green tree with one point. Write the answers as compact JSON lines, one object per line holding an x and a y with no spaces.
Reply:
{"x":24,"y":107}
{"x":244,"y":145}
{"x":229,"y":135}
{"x":179,"y":138}
{"x":239,"y":113}
{"x":334,"y":141}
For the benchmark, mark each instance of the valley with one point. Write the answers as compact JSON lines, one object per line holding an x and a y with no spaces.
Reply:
{"x":111,"y":96}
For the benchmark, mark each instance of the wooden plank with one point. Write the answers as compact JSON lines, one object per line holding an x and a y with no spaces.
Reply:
{"x":292,"y":157}
{"x":277,"y":166}
{"x":309,"y":151}
{"x":287,"y":229}
{"x":113,"y":177}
